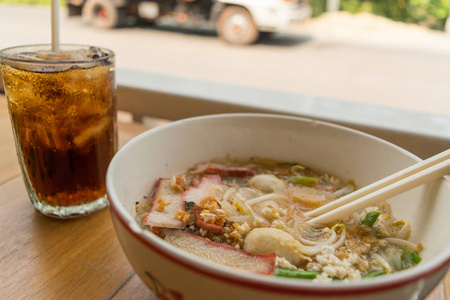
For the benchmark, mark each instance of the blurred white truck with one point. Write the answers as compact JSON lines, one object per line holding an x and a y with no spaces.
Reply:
{"x":236,"y":21}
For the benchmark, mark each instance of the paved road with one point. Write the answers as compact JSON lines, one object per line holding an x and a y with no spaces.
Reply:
{"x":299,"y":61}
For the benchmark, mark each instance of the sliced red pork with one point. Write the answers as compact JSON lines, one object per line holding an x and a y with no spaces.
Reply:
{"x":168,"y":207}
{"x":209,"y":186}
{"x":220,"y":253}
{"x":223,"y":170}
{"x":214,"y":228}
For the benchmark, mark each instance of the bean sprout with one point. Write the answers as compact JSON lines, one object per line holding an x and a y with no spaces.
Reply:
{"x":402,"y":243}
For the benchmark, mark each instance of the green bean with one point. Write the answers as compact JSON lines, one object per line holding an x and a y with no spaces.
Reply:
{"x":296,"y":274}
{"x":375,"y":274}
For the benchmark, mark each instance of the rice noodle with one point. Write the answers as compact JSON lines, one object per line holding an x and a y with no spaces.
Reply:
{"x":270,"y":203}
{"x":246,"y":193}
{"x":299,"y":229}
{"x":229,"y":200}
{"x":229,"y":209}
{"x":228,"y":194}
{"x":317,"y":248}
{"x":301,"y":207}
{"x":241,"y":219}
{"x":265,"y":198}
{"x":279,"y":202}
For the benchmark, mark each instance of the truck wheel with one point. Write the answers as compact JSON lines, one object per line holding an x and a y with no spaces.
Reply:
{"x":236,"y":25}
{"x":266,"y":35}
{"x":104,"y":14}
{"x":73,"y":10}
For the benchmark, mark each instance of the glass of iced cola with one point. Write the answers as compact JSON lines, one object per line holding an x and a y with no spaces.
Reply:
{"x":63,"y":112}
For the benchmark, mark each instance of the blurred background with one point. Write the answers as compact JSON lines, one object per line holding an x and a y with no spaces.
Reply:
{"x":386,"y":53}
{"x":427,"y":13}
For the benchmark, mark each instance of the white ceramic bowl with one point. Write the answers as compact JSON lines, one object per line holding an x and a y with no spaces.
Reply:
{"x":347,"y":153}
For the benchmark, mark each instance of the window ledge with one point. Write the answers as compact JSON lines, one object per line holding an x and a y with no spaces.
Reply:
{"x":173,"y":98}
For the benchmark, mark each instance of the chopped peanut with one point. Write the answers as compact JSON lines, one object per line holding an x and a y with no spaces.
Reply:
{"x":209,"y":203}
{"x":208,"y":217}
{"x":212,"y":213}
{"x":236,"y":235}
{"x":161,"y":204}
{"x":279,"y":224}
{"x":178,"y":183}
{"x":182,"y":216}
{"x":270,"y":213}
{"x":370,"y":239}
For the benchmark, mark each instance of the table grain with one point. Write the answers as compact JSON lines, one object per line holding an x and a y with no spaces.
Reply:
{"x":46,"y":258}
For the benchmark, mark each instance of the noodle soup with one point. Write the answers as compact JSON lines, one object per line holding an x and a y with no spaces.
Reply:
{"x":251,"y":215}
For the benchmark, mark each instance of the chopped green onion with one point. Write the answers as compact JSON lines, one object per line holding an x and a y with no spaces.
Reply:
{"x":336,"y":278}
{"x":375,"y":274}
{"x":296,"y":274}
{"x":416,"y":257}
{"x":287,"y":163}
{"x":324,"y":180}
{"x":409,"y":259}
{"x":303,"y":180}
{"x":404,"y":251}
{"x":370,"y":218}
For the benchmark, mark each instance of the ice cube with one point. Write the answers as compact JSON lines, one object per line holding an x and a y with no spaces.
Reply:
{"x":79,"y":54}
{"x":95,"y":52}
{"x":29,"y":56}
{"x":89,"y":53}
{"x":44,"y":56}
{"x":90,"y":133}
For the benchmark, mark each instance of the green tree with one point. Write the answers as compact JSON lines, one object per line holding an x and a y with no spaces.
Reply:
{"x":429,"y":13}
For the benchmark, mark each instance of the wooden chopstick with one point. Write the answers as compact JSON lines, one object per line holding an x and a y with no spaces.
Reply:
{"x":382,"y":183}
{"x":409,"y":178}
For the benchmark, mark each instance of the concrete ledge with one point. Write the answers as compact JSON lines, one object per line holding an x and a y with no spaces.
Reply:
{"x":173,"y":98}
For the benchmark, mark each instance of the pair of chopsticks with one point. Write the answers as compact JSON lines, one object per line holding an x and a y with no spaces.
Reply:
{"x":397,"y":183}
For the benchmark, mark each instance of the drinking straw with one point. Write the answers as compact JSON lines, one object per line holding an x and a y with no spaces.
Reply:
{"x":55,"y":25}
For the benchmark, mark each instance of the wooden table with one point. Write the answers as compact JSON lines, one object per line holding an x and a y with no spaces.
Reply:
{"x":45,"y":258}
